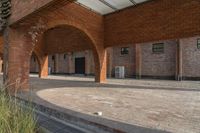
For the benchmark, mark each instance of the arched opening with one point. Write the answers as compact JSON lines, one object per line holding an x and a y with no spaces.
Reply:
{"x":58,"y":39}
{"x":69,"y":51}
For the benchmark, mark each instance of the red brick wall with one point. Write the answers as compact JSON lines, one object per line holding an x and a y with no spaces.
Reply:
{"x":162,"y":64}
{"x":23,"y":8}
{"x":128,"y":60}
{"x":153,"y":21}
{"x":59,"y":64}
{"x":72,"y":21}
{"x":191,"y":57}
{"x":51,"y":63}
{"x":66,"y":39}
{"x":63,"y":64}
{"x":86,"y":30}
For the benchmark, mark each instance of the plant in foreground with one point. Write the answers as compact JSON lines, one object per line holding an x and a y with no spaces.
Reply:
{"x":13,"y":117}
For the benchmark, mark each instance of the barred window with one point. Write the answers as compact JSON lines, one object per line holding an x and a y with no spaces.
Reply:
{"x":198,"y":43}
{"x":124,"y":50}
{"x":158,"y":48}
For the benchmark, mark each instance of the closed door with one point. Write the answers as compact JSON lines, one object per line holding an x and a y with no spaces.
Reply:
{"x":80,"y":65}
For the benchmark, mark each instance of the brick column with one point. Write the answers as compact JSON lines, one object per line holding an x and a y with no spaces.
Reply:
{"x":17,"y":54}
{"x":109,"y":61}
{"x":87,"y":62}
{"x":179,"y":62}
{"x":138,"y":61}
{"x":43,"y":72}
{"x":70,"y":63}
{"x":1,"y":63}
{"x":100,"y":66}
{"x":56,"y":61}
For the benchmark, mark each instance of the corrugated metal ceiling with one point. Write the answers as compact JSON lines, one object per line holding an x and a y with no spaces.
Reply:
{"x":108,"y":6}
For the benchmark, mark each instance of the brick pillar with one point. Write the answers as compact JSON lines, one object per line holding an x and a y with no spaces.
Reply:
{"x":56,"y":61}
{"x":70,"y":63}
{"x":179,"y":62}
{"x":109,"y":61}
{"x":1,"y":63}
{"x":100,"y":66}
{"x":87,"y":62}
{"x":17,"y":54}
{"x":43,"y":73}
{"x":138,"y":61}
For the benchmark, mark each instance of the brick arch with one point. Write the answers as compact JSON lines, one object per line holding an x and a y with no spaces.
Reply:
{"x":78,"y":26}
{"x":73,"y":38}
{"x":30,"y":38}
{"x":93,"y":43}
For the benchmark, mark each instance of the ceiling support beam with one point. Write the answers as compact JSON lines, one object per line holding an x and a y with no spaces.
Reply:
{"x":108,"y":4}
{"x":133,"y":1}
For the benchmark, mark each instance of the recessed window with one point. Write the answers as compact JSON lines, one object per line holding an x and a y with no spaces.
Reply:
{"x":158,"y":48}
{"x":198,"y":43}
{"x":124,"y":50}
{"x":53,"y":57}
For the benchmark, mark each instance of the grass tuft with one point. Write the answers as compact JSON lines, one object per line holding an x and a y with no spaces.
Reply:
{"x":13,"y":117}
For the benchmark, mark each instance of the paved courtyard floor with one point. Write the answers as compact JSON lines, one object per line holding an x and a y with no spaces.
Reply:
{"x":159,"y":104}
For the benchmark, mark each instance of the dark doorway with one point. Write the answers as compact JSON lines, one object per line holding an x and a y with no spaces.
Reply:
{"x":80,"y":65}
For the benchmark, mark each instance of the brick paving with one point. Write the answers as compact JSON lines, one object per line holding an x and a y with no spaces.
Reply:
{"x":158,"y":104}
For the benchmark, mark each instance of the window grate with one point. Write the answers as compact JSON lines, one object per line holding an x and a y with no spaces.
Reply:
{"x":124,"y":50}
{"x":158,"y":48}
{"x":198,"y":43}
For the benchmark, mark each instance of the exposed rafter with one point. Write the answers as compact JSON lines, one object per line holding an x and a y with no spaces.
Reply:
{"x":109,"y":5}
{"x":133,"y":1}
